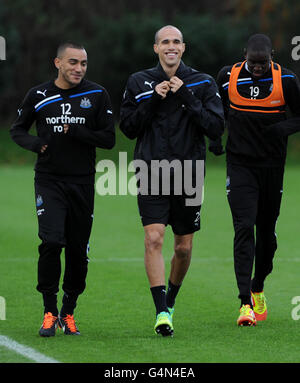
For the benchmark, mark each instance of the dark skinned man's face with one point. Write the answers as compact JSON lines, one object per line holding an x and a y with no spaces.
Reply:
{"x":258,"y":62}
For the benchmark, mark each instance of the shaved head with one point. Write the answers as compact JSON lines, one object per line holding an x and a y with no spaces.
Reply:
{"x":157,"y":34}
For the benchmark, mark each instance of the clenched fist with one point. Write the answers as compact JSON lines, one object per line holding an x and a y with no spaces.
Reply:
{"x":163,"y":88}
{"x":175,"y":84}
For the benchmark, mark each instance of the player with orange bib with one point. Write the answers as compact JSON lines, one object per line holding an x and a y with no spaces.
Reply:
{"x":256,"y":94}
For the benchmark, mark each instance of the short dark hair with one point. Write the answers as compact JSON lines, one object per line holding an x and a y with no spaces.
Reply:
{"x":69,"y":44}
{"x":259,"y":42}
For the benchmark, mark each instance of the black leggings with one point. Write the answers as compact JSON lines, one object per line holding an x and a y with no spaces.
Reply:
{"x":254,"y":196}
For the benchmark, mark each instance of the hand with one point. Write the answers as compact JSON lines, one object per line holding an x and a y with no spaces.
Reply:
{"x":162,"y":89}
{"x":66,"y":128}
{"x":217,"y":150}
{"x":175,"y":84}
{"x":43,"y":148}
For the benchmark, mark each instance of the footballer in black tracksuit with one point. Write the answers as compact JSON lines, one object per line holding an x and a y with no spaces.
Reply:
{"x":256,"y":154}
{"x":171,"y":129}
{"x":64,"y":175}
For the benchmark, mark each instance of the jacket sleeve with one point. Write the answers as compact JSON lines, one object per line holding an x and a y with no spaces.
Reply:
{"x":19,"y":130}
{"x":207,"y":112}
{"x":99,"y":132}
{"x":216,"y":146}
{"x":222,"y":83}
{"x":135,"y":115}
{"x":292,"y":97}
{"x":284,"y":128}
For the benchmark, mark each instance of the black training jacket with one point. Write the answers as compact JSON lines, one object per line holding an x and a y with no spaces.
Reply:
{"x":174,"y":127}
{"x":252,"y":138}
{"x":70,"y":157}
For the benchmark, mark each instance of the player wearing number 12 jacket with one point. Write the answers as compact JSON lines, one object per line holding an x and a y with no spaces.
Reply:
{"x":86,"y":109}
{"x":73,"y":116}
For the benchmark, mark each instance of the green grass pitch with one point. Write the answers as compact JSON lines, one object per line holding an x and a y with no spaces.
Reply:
{"x":116,"y":313}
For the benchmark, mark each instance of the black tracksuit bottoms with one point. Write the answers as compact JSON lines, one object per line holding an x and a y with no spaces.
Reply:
{"x":254,"y":195}
{"x":65,"y":216}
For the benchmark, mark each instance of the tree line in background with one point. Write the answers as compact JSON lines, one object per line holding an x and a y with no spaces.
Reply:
{"x":119,"y":35}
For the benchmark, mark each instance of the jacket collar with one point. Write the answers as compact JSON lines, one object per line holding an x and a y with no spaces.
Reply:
{"x":181,"y":70}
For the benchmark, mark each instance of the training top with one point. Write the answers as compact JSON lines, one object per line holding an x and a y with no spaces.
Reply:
{"x":69,"y":157}
{"x":172,"y":128}
{"x":251,"y":106}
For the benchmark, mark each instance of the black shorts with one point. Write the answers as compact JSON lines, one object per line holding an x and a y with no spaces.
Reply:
{"x":169,"y":209}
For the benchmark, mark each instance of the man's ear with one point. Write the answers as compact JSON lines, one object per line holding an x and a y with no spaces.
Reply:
{"x":155,"y":48}
{"x":57,"y":62}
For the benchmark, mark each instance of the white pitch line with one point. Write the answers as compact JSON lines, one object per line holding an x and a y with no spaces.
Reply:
{"x":195,"y":259}
{"x":25,"y":351}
